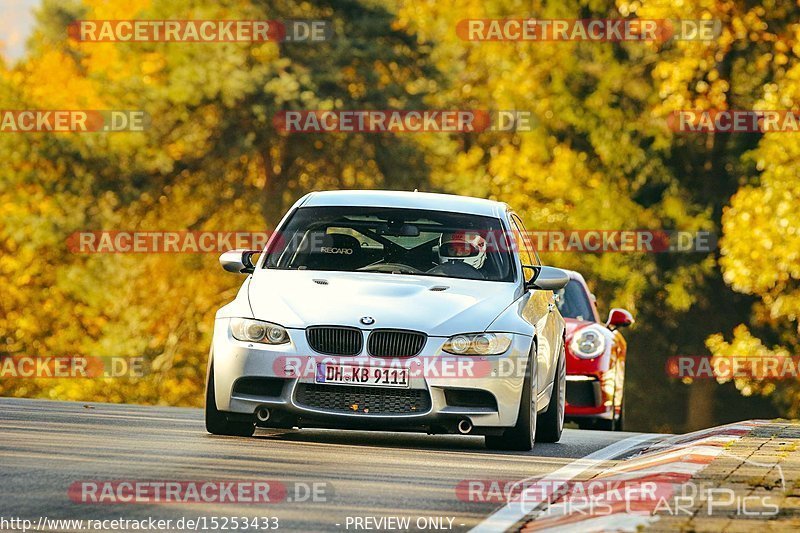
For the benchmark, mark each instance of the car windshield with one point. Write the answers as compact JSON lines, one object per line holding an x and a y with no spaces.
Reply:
{"x":393,"y":240}
{"x":573,"y":302}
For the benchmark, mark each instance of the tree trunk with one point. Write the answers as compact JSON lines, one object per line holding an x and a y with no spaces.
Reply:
{"x":700,"y":408}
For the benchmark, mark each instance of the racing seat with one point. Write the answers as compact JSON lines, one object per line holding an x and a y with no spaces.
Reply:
{"x":347,"y":261}
{"x":334,"y":251}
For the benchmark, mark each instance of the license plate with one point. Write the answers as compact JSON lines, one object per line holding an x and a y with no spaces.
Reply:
{"x":362,"y":375}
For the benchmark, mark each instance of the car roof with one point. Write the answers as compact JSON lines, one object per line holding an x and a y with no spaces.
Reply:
{"x":405,"y":199}
{"x":574,"y":275}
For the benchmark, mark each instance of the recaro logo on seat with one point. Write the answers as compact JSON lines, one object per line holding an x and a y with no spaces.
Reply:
{"x":329,"y":250}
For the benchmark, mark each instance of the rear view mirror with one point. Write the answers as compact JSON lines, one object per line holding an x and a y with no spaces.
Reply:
{"x":238,"y":261}
{"x":398,"y":230}
{"x":547,"y":278}
{"x":619,"y":318}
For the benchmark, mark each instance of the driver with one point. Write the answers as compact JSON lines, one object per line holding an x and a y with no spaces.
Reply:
{"x":462,"y":246}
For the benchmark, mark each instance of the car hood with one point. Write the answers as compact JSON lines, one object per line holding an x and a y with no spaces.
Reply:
{"x":574,"y":325}
{"x":295,"y":300}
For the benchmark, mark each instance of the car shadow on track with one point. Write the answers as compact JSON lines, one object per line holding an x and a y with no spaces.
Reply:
{"x":465,"y":443}
{"x":374,"y":438}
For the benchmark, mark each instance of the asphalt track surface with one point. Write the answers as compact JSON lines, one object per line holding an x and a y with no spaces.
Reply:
{"x":46,"y":446}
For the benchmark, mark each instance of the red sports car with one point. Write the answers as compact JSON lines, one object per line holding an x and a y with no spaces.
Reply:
{"x":595,"y":358}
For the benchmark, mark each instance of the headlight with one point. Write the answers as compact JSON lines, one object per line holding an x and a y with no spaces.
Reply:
{"x":588,"y":343}
{"x":478,"y":344}
{"x":247,"y":330}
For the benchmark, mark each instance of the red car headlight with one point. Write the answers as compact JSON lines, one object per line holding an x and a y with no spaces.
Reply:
{"x":588,"y":343}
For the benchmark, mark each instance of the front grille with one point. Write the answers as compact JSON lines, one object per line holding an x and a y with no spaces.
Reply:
{"x":395,"y":343}
{"x":363,"y":400}
{"x":470,"y":398}
{"x":331,"y":340}
{"x":258,"y":386}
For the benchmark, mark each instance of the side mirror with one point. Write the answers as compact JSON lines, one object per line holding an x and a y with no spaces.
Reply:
{"x":546,"y":278}
{"x":619,"y":318}
{"x":238,"y":261}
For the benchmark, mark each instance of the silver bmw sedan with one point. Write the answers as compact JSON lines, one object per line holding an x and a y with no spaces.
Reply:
{"x":399,"y":311}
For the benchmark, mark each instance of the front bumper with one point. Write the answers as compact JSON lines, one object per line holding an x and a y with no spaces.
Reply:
{"x":585,"y":397}
{"x":435,"y":401}
{"x":591,"y":387}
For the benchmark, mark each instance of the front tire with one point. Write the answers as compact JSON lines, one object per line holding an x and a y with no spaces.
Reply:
{"x":217,"y":422}
{"x":522,"y":436}
{"x":551,"y":422}
{"x":615,"y":424}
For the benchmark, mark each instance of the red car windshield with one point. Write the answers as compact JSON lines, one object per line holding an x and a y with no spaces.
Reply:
{"x":573,"y":302}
